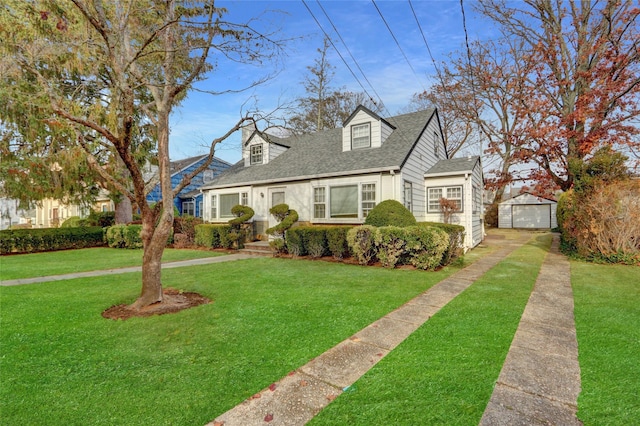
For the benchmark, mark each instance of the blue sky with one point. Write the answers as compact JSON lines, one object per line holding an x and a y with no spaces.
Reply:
{"x":387,"y":74}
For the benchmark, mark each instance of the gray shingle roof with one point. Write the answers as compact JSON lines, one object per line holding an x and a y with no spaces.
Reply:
{"x":320,"y":154}
{"x":453,"y":165}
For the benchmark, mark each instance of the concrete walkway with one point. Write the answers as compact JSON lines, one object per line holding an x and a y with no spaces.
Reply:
{"x":298,"y":397}
{"x":538,"y":385}
{"x":169,"y":265}
{"x":540,"y":379}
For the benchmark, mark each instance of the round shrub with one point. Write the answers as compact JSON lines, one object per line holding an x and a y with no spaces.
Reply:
{"x":72,"y":222}
{"x":390,"y":213}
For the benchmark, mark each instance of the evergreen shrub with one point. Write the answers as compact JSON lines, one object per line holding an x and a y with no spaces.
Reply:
{"x":361,"y":240}
{"x":390,"y":213}
{"x":456,"y":235}
{"x":49,"y":239}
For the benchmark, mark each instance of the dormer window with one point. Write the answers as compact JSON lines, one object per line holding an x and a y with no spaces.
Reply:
{"x":256,"y":154}
{"x":361,"y":136}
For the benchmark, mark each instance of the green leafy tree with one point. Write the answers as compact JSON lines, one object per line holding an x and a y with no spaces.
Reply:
{"x":99,"y":75}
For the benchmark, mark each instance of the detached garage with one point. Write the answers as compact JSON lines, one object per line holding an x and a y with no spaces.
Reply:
{"x":527,"y":211}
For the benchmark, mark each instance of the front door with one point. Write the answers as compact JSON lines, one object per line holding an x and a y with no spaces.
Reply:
{"x":276,"y":196}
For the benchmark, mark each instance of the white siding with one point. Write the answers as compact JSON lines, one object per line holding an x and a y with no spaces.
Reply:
{"x":376,"y":130}
{"x":469,"y":218}
{"x":420,"y":160}
{"x":477,"y":233}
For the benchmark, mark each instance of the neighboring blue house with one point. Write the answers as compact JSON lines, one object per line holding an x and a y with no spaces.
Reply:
{"x":189,"y":200}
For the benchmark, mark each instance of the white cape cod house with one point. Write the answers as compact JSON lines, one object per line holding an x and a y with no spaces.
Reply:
{"x":337,"y":176}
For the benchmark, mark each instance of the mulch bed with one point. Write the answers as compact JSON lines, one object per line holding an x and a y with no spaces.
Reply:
{"x":174,"y":301}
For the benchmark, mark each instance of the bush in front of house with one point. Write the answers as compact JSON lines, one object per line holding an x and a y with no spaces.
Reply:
{"x":390,"y":213}
{"x":286,"y":218}
{"x":124,"y":236}
{"x":318,"y":241}
{"x":361,"y":240}
{"x":184,"y":230}
{"x":421,"y":246}
{"x":390,"y":244}
{"x":426,"y":246}
{"x":241,"y":228}
{"x":456,"y":240}
{"x":337,"y":241}
{"x":49,"y":239}
{"x":213,"y":235}
{"x":102,"y":219}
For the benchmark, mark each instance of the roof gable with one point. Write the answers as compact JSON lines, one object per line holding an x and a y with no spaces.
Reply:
{"x":321,"y":155}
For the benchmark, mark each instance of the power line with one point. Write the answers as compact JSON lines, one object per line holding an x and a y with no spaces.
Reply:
{"x":473,"y":84}
{"x":424,"y":38}
{"x":397,"y":43}
{"x":341,"y":57}
{"x":350,"y":54}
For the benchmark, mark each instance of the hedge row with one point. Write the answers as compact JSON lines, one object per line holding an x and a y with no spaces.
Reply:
{"x":48,"y":239}
{"x":214,"y":236}
{"x":127,"y":236}
{"x":318,"y":241}
{"x":456,"y":239}
{"x":425,"y":246}
{"x":422,"y":246}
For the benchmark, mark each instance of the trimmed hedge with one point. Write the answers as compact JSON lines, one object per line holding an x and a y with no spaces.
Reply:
{"x":49,"y":239}
{"x":456,"y":239}
{"x":422,"y":246}
{"x":213,"y":235}
{"x":124,"y":236}
{"x":390,"y":213}
{"x":318,"y":241}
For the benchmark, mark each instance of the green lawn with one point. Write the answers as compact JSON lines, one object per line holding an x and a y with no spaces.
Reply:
{"x":90,"y":259}
{"x":607,"y":311}
{"x":444,"y":373}
{"x":63,"y":364}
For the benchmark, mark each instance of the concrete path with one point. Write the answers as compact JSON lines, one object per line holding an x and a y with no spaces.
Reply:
{"x":298,"y":397}
{"x":540,"y":379}
{"x":169,"y":265}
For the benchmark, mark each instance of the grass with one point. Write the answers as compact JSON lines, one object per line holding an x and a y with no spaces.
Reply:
{"x":62,"y":363}
{"x":444,"y":373}
{"x":607,"y":313}
{"x":90,"y":259}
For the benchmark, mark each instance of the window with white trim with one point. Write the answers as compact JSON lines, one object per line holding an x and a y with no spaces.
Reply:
{"x":319,"y":202}
{"x":227,"y":202}
{"x":256,"y":154}
{"x":214,"y":207}
{"x":453,"y":193}
{"x":199,"y":209}
{"x":360,"y":136}
{"x":408,"y":195}
{"x":188,"y":208}
{"x":368,"y":195}
{"x":244,"y":198}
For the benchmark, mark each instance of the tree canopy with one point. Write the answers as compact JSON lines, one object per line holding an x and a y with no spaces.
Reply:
{"x":98,"y":81}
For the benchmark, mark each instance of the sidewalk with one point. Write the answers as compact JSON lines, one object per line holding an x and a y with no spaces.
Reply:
{"x":540,"y":379}
{"x":178,"y":264}
{"x":298,"y":397}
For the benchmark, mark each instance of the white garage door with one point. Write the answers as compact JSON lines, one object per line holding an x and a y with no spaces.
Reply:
{"x":531,"y":216}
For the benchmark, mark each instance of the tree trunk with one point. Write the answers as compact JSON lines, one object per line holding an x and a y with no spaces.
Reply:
{"x":124,"y":213}
{"x":155,"y":233}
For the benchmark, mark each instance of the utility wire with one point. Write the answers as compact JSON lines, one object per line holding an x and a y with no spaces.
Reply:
{"x":349,"y":51}
{"x":341,"y":57}
{"x":473,"y":84}
{"x":398,"y":44}
{"x":424,"y":38}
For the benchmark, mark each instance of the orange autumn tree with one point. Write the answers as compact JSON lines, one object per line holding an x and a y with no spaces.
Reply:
{"x":583,"y":91}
